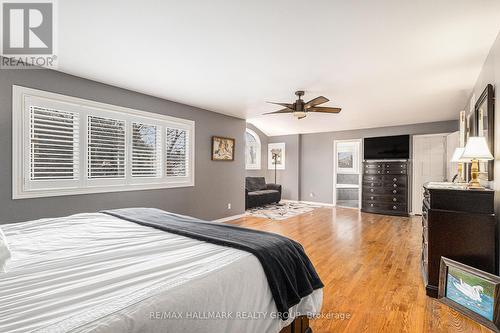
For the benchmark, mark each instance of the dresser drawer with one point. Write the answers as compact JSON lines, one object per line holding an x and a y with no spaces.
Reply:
{"x":373,"y":183}
{"x":384,"y":190}
{"x":394,"y":171}
{"x":394,"y":185}
{"x":394,"y":166}
{"x":394,"y":179}
{"x":371,"y":178}
{"x":385,"y":207}
{"x":373,"y":165}
{"x":384,"y":198}
{"x":373,"y":171}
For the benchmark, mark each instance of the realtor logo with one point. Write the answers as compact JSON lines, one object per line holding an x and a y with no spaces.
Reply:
{"x":28,"y":34}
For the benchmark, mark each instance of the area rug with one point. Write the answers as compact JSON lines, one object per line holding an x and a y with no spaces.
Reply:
{"x":282,"y":210}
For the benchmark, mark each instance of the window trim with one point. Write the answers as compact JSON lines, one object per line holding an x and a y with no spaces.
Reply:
{"x":258,"y":165}
{"x":20,"y":135}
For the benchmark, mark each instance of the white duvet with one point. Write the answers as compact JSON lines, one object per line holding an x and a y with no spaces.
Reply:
{"x":98,"y":273}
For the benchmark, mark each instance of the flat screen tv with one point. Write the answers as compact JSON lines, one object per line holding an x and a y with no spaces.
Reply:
{"x":387,"y":147}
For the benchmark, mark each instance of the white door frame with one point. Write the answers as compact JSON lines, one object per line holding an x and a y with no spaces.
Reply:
{"x":413,"y":180}
{"x":360,"y":168}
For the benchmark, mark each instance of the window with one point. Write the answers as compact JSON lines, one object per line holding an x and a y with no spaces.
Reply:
{"x":146,"y":151}
{"x":177,"y":163}
{"x":106,"y":148}
{"x":53,"y":138}
{"x":252,"y":150}
{"x":64,"y":145}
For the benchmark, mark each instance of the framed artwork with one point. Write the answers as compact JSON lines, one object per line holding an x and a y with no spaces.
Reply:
{"x":463,"y":128}
{"x":471,"y":292}
{"x":347,"y":157}
{"x":276,"y":156}
{"x":484,"y":112}
{"x":222,"y":149}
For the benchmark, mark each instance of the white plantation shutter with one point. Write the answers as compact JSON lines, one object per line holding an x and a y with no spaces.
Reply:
{"x":106,"y":148}
{"x":146,"y":151}
{"x":64,"y":145}
{"x":176,"y":156}
{"x":53,"y":144}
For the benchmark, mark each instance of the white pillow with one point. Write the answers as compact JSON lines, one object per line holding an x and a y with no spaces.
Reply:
{"x":4,"y":252}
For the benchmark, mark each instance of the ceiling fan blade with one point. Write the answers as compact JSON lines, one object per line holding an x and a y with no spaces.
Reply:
{"x":287,"y":110}
{"x":316,"y":101}
{"x":324,"y":109}
{"x":286,"y":105}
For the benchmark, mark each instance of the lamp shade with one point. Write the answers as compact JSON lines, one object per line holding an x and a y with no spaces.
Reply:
{"x":457,"y":156}
{"x":477,"y":148}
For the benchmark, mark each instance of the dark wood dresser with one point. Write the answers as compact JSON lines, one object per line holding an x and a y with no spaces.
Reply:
{"x":385,"y":187}
{"x":458,"y":224}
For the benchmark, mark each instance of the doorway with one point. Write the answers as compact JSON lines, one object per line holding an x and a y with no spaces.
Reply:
{"x":347,"y":173}
{"x":429,"y":165}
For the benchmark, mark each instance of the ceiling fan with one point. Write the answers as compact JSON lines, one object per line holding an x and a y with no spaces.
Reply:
{"x":300,"y":109}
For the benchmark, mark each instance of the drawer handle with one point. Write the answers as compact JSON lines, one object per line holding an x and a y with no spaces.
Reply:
{"x":387,"y":171}
{"x":401,"y":171}
{"x":394,"y":191}
{"x":394,"y":207}
{"x":394,"y":199}
{"x":371,"y":205}
{"x":378,"y":171}
{"x":371,"y":190}
{"x":372,"y":184}
{"x":394,"y":179}
{"x":371,"y":198}
{"x":395,"y":185}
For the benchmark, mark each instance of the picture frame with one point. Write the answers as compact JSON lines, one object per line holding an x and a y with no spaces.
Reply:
{"x":484,"y":116}
{"x":347,"y":157}
{"x":470,"y":291}
{"x":276,"y":148}
{"x":223,"y":148}
{"x":462,"y":129}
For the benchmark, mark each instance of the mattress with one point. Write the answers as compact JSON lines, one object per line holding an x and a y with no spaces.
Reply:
{"x":98,"y":273}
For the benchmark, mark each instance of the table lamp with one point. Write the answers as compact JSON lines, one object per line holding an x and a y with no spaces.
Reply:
{"x":476,"y":150}
{"x":457,"y":158}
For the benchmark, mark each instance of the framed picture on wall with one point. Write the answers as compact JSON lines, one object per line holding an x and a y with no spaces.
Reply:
{"x":484,"y":112}
{"x":347,"y":157}
{"x":276,"y":156}
{"x":222,"y":149}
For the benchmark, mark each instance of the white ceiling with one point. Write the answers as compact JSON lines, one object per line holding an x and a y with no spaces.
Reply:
{"x":384,"y":62}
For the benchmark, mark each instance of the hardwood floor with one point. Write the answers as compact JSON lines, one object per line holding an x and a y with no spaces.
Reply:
{"x":370,"y":267}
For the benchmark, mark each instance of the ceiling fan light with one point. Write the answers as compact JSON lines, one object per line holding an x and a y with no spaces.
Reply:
{"x":299,"y":114}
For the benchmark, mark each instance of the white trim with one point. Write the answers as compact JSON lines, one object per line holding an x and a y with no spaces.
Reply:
{"x":21,"y":186}
{"x":230,"y":218}
{"x":310,"y":202}
{"x":258,"y":164}
{"x":356,"y":163}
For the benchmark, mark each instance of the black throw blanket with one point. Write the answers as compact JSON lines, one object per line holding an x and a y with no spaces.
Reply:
{"x":289,"y":271}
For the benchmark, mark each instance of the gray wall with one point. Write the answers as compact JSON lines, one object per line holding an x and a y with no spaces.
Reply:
{"x":316,"y":172}
{"x":490,"y":74}
{"x":263,"y":172}
{"x":216,"y":183}
{"x":288,"y":178}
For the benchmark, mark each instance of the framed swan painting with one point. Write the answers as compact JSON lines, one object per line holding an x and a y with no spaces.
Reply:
{"x":471,"y":292}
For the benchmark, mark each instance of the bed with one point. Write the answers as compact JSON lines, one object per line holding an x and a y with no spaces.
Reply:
{"x":99,"y":273}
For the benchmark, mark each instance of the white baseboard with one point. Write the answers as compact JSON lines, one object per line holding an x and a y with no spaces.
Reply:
{"x":230,"y":218}
{"x":310,"y":202}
